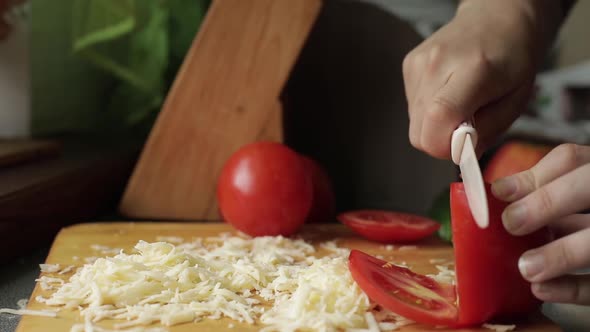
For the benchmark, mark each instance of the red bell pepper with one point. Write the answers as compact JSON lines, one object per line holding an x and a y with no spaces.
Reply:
{"x":488,"y":285}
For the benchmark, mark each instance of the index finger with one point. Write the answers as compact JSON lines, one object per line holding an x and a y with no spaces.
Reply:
{"x":468,"y":87}
{"x":564,"y":196}
{"x":557,"y":162}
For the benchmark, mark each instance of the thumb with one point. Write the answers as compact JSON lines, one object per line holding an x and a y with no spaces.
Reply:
{"x":468,"y":88}
{"x":495,"y":118}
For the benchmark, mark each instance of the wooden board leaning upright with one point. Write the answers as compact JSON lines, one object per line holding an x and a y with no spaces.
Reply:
{"x":226,"y":94}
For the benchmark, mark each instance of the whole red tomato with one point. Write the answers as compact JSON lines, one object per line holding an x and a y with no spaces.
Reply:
{"x":264,"y":189}
{"x":323,"y":207}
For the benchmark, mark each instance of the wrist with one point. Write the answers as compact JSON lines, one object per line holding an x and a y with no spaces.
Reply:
{"x":545,"y":18}
{"x":534,"y":23}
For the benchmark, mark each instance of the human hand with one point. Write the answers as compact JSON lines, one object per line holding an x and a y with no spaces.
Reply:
{"x":484,"y":60}
{"x":553,"y":193}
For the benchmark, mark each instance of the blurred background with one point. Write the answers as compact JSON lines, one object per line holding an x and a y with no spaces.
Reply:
{"x":83,"y":81}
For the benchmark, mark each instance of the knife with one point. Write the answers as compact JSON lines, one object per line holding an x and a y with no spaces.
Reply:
{"x":463,"y":144}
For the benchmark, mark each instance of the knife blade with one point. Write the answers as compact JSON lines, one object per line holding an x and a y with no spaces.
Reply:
{"x":463,"y":153}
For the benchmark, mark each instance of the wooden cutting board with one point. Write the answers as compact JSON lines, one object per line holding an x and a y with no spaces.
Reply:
{"x":225,"y":95}
{"x":76,"y":241}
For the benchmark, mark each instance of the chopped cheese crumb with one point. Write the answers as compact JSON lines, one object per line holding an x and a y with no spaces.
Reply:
{"x":444,"y":275}
{"x":105,"y":250}
{"x":170,"y":239}
{"x":90,"y":259}
{"x":499,"y":328}
{"x":401,"y":248}
{"x":332,"y":246}
{"x":67,"y":269}
{"x":49,"y":283}
{"x":371,"y":322}
{"x":437,"y":260}
{"x":55,"y":268}
{"x":49,"y":268}
{"x":88,"y":326}
{"x":22,"y":303}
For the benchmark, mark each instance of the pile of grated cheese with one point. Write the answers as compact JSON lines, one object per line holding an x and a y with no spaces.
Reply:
{"x":279,"y":283}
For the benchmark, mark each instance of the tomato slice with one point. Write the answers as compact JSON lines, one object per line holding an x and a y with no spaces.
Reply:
{"x":414,"y":296}
{"x":489,"y":283}
{"x":387,"y":226}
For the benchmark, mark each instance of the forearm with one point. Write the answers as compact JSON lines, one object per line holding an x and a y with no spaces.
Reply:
{"x":538,"y":19}
{"x":545,"y":18}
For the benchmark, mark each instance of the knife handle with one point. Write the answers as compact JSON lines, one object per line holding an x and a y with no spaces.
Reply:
{"x":458,"y":139}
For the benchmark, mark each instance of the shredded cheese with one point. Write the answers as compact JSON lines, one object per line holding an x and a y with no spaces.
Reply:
{"x":21,"y":311}
{"x":49,"y":268}
{"x":444,"y":275}
{"x":67,"y":269}
{"x":276,"y":281}
{"x":437,"y":260}
{"x":332,"y":247}
{"x":402,"y":248}
{"x":171,"y":239}
{"x":373,"y":326}
{"x":22,"y":303}
{"x":324,"y":298}
{"x":88,"y":326}
{"x":105,"y":250}
{"x":49,"y":283}
{"x":499,"y":328}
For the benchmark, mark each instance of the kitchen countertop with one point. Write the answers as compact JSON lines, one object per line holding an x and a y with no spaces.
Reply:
{"x":17,"y":280}
{"x":34,"y":205}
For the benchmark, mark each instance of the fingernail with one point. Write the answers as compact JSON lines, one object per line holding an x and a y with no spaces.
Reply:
{"x":530,"y":264}
{"x":513,"y":217}
{"x":504,"y":188}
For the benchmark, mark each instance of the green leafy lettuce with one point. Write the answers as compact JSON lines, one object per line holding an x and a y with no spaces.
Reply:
{"x":106,"y":65}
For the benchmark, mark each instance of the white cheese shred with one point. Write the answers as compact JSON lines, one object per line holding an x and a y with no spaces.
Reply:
{"x":49,"y":268}
{"x":273,"y":281}
{"x":22,"y":303}
{"x":170,"y":239}
{"x":26,"y":312}
{"x":499,"y":328}
{"x":403,"y":248}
